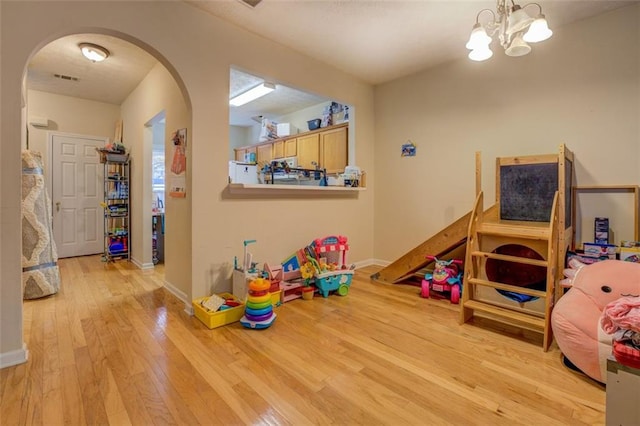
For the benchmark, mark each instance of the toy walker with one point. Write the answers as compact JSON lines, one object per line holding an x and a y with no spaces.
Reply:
{"x":446,"y":277}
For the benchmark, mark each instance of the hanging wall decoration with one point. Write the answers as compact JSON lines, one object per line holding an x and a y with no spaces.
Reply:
{"x":178,"y":184}
{"x":408,"y":149}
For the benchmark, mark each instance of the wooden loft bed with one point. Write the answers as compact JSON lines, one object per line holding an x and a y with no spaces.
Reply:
{"x":525,"y":236}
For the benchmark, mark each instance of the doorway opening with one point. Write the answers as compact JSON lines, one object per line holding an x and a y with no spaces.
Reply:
{"x":155,"y":129}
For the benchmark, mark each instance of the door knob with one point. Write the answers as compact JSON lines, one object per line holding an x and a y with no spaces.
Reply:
{"x":58,"y":206}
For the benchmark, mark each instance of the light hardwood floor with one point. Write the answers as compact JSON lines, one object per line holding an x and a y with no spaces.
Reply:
{"x":113,"y":347}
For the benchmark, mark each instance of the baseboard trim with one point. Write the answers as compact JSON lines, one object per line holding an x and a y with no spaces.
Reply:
{"x":141,"y":265}
{"x":370,"y":262}
{"x":11,"y":358}
{"x":180,"y":295}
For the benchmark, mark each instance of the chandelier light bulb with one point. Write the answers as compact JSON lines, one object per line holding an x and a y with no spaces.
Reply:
{"x":538,"y":31}
{"x":480,"y":54}
{"x":518,"y":20}
{"x":518,"y":47}
{"x":478,"y":38}
{"x":511,"y":26}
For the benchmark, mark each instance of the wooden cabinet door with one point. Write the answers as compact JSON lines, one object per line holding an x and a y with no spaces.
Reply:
{"x":308,"y":150}
{"x":265,"y":154}
{"x":334,"y":150}
{"x":278,"y":149}
{"x":290,"y":147}
{"x":240,"y":154}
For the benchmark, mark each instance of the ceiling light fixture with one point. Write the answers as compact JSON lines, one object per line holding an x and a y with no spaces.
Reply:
{"x":514,"y":27}
{"x":93,"y":52}
{"x":252,"y":94}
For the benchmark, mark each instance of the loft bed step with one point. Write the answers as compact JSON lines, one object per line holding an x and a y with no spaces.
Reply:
{"x":508,"y":287}
{"x":509,"y":258}
{"x":516,"y":229}
{"x":522,"y":320}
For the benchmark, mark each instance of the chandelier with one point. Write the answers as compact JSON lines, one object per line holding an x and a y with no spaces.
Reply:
{"x":514,"y":27}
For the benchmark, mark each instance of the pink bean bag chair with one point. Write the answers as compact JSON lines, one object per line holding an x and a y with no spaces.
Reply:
{"x":576,"y":317}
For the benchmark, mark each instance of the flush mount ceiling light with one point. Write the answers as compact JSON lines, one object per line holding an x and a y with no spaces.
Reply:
{"x":514,"y":28}
{"x":93,"y":52}
{"x":252,"y":94}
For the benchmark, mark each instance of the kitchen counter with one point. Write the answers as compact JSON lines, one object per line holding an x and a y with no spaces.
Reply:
{"x":293,"y":189}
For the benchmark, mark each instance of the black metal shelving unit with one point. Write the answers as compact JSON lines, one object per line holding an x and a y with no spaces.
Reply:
{"x":117,"y":244}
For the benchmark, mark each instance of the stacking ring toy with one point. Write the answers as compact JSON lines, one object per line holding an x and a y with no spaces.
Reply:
{"x":253,"y":305}
{"x":258,"y":293}
{"x":259,"y":284}
{"x":260,"y":299}
{"x":257,"y":312}
{"x":258,"y":318}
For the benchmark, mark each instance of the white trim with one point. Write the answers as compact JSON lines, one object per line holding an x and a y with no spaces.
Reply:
{"x":180,"y":295}
{"x":143,"y":266}
{"x":370,"y":262}
{"x":11,"y":358}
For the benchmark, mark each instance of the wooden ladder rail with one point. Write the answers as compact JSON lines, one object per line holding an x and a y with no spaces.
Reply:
{"x":476,"y":259}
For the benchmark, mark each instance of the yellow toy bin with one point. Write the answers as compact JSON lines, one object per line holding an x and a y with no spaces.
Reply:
{"x":218,"y":318}
{"x":276,"y":298}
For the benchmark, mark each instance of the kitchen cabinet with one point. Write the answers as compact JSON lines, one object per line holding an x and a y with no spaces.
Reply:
{"x":308,"y":150}
{"x":285,"y":148}
{"x":264,"y":154}
{"x":326,"y":147}
{"x":241,"y":152}
{"x":333,"y":150}
{"x":278,"y":149}
{"x":290,"y":147}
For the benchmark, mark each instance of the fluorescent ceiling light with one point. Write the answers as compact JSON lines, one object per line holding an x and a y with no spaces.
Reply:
{"x":252,"y":94}
{"x":93,"y":52}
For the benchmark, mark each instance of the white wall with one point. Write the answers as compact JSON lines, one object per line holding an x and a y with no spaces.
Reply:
{"x":158,"y":92}
{"x":70,"y":115}
{"x":238,"y":136}
{"x":300,"y":118}
{"x":581,"y":87}
{"x":199,"y":55}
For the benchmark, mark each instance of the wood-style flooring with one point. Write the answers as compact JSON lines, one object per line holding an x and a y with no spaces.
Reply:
{"x":113,"y":347}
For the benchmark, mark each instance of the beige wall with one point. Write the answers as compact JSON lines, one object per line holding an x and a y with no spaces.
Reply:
{"x":199,"y":56}
{"x":581,"y":87}
{"x":156,"y":93}
{"x":70,"y":115}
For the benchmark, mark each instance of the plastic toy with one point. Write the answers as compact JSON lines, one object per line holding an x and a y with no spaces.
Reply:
{"x":258,"y":312}
{"x":446,"y":277}
{"x":576,"y":317}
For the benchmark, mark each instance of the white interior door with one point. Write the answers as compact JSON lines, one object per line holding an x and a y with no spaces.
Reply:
{"x":77,"y":191}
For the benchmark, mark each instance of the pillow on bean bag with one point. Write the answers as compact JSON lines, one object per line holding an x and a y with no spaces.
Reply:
{"x":575,"y":319}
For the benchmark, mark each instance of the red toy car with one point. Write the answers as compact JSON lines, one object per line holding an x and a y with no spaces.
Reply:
{"x":446,"y":277}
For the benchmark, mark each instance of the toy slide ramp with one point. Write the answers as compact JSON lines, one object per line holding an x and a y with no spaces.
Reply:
{"x":445,"y":241}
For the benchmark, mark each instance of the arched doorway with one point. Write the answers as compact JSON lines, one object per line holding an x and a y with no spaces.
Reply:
{"x":79,"y":96}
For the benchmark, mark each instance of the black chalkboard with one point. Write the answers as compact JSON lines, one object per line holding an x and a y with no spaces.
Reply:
{"x":527,"y":191}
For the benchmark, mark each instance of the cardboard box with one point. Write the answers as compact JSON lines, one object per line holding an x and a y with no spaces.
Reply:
{"x":220,"y":317}
{"x":286,"y":129}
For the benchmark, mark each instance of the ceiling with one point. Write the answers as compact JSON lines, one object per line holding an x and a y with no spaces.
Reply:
{"x":377,"y":41}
